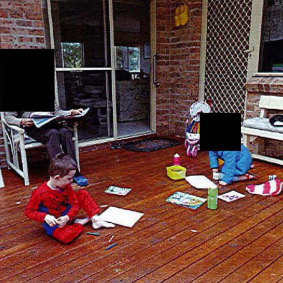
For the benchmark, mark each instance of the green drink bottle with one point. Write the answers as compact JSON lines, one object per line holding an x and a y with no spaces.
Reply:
{"x":212,"y":198}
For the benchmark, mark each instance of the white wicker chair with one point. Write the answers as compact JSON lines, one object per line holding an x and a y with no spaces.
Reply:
{"x":16,"y":141}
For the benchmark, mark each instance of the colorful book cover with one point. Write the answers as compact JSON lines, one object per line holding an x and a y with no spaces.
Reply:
{"x":231,"y":196}
{"x":186,"y":200}
{"x":117,"y":190}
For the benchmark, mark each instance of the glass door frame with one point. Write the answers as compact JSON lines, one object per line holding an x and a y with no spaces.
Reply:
{"x":112,"y":69}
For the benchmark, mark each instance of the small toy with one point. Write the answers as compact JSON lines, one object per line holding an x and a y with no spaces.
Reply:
{"x":212,"y":198}
{"x":193,"y":129}
{"x":176,"y":172}
{"x":181,"y":15}
{"x":176,"y":159}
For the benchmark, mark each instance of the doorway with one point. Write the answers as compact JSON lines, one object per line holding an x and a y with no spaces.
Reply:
{"x":132,"y":66}
{"x":103,"y":55}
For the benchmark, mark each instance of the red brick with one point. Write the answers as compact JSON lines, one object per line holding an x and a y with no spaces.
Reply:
{"x":24,"y":23}
{"x":5,"y":22}
{"x":4,"y":30}
{"x":38,"y":24}
{"x":6,"y":38}
{"x":39,"y":40}
{"x":3,"y":14}
{"x":36,"y":32}
{"x":24,"y":39}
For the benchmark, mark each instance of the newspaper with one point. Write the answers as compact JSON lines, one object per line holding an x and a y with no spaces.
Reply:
{"x":42,"y":118}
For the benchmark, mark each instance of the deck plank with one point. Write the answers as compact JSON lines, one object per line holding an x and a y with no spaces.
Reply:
{"x":272,"y":273}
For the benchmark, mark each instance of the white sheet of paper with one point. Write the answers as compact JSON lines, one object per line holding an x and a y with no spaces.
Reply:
{"x":120,"y":216}
{"x":231,"y":196}
{"x":200,"y":182}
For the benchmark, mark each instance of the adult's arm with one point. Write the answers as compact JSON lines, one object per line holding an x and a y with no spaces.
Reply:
{"x":15,"y":118}
{"x":12,"y":118}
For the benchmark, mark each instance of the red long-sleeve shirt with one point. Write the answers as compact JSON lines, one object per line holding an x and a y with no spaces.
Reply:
{"x":44,"y":201}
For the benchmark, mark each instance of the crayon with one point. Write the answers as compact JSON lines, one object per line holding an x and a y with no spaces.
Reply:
{"x":111,"y":239}
{"x":111,"y":246}
{"x":93,"y":233}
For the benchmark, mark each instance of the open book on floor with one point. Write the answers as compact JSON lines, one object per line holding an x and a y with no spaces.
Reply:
{"x":186,"y":200}
{"x":42,"y":118}
{"x":117,"y":190}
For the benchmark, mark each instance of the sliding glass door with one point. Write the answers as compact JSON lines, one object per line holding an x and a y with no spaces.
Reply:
{"x":81,"y":38}
{"x":89,"y":57}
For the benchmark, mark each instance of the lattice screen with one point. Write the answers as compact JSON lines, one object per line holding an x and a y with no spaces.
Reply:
{"x":228,"y":29}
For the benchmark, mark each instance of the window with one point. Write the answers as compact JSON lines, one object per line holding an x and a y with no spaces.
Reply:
{"x":271,"y":56}
{"x":128,"y":58}
{"x":72,"y":54}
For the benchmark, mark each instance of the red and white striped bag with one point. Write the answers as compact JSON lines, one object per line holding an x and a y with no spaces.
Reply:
{"x":270,"y":188}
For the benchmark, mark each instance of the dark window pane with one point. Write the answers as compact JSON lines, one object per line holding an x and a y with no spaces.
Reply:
{"x":88,"y":89}
{"x":271,"y":55}
{"x":84,"y":23}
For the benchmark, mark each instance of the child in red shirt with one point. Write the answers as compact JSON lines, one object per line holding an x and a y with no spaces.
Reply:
{"x":55,"y":204}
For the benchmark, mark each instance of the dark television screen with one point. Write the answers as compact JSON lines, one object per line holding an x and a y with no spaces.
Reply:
{"x":27,"y":80}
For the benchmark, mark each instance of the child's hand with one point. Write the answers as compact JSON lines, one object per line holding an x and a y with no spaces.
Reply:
{"x":223,"y":183}
{"x":50,"y":220}
{"x":215,"y":170}
{"x":62,"y":221}
{"x":76,"y":111}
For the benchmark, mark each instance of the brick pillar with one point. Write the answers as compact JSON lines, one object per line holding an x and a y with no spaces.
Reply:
{"x":178,"y":65}
{"x":21,"y":26}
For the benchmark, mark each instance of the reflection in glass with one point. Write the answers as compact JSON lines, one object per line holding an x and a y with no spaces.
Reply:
{"x":81,"y":26}
{"x":72,"y":53}
{"x":128,"y":58}
{"x":131,"y":32}
{"x":271,"y":55}
{"x":82,"y":89}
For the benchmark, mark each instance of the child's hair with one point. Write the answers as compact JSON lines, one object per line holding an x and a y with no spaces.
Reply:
{"x":61,"y":165}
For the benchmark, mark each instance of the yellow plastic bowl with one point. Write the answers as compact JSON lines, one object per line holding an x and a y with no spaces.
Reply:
{"x":176,"y":172}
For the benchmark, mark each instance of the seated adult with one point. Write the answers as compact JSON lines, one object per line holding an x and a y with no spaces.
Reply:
{"x":55,"y":135}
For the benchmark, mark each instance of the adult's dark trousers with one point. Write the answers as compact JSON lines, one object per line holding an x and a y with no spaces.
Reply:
{"x":57,"y":138}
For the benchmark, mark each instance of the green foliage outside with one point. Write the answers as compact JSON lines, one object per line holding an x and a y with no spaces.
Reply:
{"x":72,"y":54}
{"x":128,"y":58}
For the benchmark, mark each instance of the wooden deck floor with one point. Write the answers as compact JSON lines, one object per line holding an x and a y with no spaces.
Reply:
{"x":238,"y":242}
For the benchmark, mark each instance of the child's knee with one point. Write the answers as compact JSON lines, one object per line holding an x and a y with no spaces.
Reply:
{"x":82,"y":194}
{"x":68,"y":233}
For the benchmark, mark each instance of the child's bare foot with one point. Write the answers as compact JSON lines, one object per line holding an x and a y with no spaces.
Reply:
{"x":97,"y":223}
{"x":82,"y":221}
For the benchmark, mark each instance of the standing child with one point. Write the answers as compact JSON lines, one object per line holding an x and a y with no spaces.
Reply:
{"x":236,"y":164}
{"x":55,"y":204}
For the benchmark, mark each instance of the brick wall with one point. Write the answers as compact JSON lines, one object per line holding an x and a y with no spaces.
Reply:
{"x":178,"y":65}
{"x":256,"y":87}
{"x":21,"y":26}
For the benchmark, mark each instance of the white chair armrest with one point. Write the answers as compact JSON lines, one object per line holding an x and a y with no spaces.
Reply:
{"x":14,"y":127}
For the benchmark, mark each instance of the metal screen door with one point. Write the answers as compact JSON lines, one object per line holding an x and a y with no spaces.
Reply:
{"x":227,"y":42}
